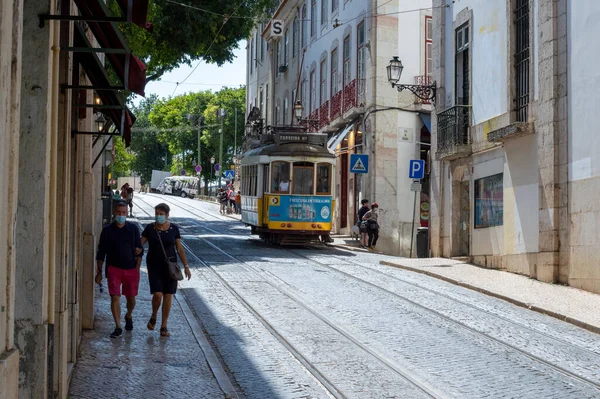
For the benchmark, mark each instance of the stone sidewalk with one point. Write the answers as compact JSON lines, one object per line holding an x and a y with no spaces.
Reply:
{"x":140,"y":363}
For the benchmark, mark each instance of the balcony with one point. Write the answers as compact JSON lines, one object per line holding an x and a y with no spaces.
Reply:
{"x":336,"y":105}
{"x":350,"y":96}
{"x":323,"y":115}
{"x":423,"y":80}
{"x":453,"y":132}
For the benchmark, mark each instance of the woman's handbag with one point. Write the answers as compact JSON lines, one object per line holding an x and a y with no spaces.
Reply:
{"x":174,"y":269}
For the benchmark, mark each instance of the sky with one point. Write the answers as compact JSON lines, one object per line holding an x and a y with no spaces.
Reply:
{"x":205,"y":77}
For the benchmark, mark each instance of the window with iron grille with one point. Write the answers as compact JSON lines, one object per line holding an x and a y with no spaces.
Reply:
{"x":346,"y":64}
{"x":462,"y":80}
{"x":313,"y":17}
{"x":286,"y":45}
{"x":361,"y":56}
{"x":334,"y":6}
{"x":323,"y":77}
{"x":323,"y":12}
{"x":295,"y":37}
{"x":522,"y":59}
{"x":313,"y":91}
{"x":303,"y":27}
{"x":334,"y":72}
{"x":428,"y":46}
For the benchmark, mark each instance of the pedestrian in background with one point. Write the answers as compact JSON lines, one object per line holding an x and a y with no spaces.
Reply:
{"x":162,"y":234}
{"x":223,"y":200}
{"x":362,"y":225}
{"x":231,"y":199}
{"x":238,"y":203}
{"x":371,"y":217}
{"x":122,"y":248}
{"x":130,"y":200}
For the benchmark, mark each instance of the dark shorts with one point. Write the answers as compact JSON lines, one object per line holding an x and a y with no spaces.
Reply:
{"x":160,"y":282}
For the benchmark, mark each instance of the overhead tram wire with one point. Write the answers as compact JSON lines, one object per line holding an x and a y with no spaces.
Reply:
{"x":226,"y":19}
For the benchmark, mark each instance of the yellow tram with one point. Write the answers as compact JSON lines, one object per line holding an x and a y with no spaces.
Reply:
{"x":286,"y":188}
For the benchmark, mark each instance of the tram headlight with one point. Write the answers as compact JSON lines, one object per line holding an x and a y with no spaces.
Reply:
{"x":314,"y":226}
{"x":289,"y":225}
{"x":319,"y":226}
{"x":282,"y":224}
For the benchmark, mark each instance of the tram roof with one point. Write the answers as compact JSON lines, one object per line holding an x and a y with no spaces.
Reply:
{"x":288,"y":149}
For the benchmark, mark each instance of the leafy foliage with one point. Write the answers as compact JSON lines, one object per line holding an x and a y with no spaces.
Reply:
{"x":123,"y":158}
{"x":163,"y":127}
{"x":181,"y":34}
{"x":150,"y":153}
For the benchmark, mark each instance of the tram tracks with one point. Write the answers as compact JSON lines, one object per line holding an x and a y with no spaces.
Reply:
{"x":555,"y":367}
{"x":336,"y":392}
{"x":415,"y":381}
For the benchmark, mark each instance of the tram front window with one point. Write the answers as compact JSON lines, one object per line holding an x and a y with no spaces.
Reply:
{"x":303,"y":178}
{"x":280,"y":177}
{"x":324,"y":179}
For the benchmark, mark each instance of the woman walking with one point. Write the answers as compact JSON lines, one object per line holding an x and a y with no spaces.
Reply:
{"x":161,"y":234}
{"x":371,"y":217}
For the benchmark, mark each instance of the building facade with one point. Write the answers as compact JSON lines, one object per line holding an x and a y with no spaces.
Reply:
{"x":53,"y":163}
{"x":516,"y":156}
{"x":330,"y":56}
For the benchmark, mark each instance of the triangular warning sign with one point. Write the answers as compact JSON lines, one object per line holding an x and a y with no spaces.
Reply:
{"x":359,"y":166}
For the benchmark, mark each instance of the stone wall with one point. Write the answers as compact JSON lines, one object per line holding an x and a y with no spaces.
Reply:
{"x":10,"y":89}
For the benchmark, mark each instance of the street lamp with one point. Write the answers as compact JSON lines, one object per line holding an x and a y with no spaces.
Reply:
{"x":100,"y":122}
{"x":394,"y":72}
{"x":298,"y":110}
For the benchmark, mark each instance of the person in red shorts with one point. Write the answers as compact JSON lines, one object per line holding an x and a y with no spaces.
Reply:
{"x":121,"y":246}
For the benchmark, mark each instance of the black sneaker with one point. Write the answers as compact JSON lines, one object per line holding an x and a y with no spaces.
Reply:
{"x":129,"y":324}
{"x":116,"y":333}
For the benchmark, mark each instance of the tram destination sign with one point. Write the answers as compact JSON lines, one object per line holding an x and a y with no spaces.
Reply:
{"x":308,"y":138}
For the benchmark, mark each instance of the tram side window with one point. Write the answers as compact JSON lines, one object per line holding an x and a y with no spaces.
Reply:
{"x":303,"y":178}
{"x":280,"y":177}
{"x":324,"y":178}
{"x":266,"y":177}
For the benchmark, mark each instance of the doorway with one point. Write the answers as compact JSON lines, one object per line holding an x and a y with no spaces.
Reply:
{"x":344,"y":192}
{"x":464,"y":219}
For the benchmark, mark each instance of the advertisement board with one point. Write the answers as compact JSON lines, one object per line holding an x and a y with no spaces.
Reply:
{"x":284,"y":208}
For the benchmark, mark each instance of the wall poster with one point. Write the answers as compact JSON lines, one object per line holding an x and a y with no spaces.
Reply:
{"x":489,"y":201}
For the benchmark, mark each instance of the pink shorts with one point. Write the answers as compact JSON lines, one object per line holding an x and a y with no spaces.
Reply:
{"x":130,"y":279}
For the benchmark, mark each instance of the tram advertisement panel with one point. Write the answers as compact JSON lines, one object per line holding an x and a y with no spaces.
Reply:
{"x":300,"y":209}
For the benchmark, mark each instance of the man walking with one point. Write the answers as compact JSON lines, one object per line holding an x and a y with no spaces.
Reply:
{"x":121,"y":245}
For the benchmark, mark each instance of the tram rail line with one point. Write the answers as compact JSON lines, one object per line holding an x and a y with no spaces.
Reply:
{"x":467,"y":304}
{"x":425,"y":388}
{"x":563,"y":371}
{"x":553,"y":366}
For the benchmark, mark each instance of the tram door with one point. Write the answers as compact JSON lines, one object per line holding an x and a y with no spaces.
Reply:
{"x":344,"y":193}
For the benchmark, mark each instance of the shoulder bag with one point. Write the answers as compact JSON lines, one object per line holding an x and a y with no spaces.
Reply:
{"x":174,"y":269}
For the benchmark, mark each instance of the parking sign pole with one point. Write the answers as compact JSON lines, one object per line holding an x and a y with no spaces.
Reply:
{"x":412,"y":230}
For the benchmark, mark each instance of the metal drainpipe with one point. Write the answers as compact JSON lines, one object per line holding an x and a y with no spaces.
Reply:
{"x":374,"y":97}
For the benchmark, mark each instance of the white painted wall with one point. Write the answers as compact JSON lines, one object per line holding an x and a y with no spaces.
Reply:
{"x":488,"y":49}
{"x":521,"y":196}
{"x":486,"y":241}
{"x":583,"y":83}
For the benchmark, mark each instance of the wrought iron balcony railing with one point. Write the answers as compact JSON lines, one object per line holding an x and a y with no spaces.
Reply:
{"x":453,"y":128}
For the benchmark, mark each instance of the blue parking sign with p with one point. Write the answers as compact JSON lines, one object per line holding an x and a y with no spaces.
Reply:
{"x":416,"y":169}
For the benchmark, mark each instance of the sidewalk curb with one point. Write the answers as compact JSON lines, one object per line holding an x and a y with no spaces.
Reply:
{"x":211,"y":358}
{"x":587,"y":326}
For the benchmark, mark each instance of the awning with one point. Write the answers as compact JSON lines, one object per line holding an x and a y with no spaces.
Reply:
{"x":129,"y":68}
{"x":426,"y":118}
{"x":136,"y":11}
{"x":336,"y":139}
{"x":118,"y":112}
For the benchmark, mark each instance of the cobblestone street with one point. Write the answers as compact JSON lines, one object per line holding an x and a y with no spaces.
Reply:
{"x":261,"y":321}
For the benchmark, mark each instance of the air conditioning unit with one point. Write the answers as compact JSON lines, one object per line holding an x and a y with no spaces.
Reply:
{"x":283,"y":68}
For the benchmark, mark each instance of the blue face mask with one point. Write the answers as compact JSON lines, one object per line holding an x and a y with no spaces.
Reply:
{"x":120,"y":219}
{"x":160,"y":219}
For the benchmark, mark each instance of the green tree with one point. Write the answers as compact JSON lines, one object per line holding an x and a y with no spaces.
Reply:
{"x":192,"y":30}
{"x":149,"y":152}
{"x":230,"y":100}
{"x":123,"y":159}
